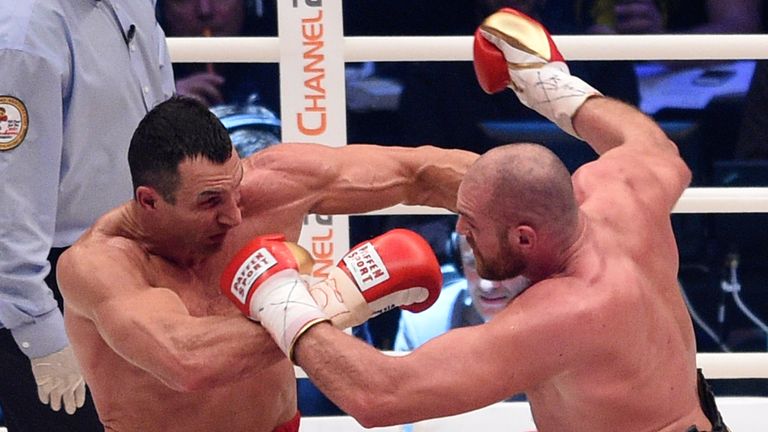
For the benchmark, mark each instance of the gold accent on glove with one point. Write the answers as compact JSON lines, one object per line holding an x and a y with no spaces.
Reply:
{"x":303,"y":257}
{"x":529,"y":37}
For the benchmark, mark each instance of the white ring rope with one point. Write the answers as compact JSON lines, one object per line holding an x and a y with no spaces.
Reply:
{"x":713,"y":365}
{"x":459,"y":48}
{"x":723,"y":200}
{"x":694,"y":200}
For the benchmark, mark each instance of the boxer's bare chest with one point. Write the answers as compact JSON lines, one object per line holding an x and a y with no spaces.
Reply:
{"x":197,"y":288}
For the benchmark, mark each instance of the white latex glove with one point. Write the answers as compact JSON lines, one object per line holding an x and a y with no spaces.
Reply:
{"x":59,"y":379}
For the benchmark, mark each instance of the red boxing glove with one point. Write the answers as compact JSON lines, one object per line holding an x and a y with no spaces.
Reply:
{"x":264,"y":281}
{"x":489,"y":60}
{"x":395,"y":269}
{"x":513,"y":50}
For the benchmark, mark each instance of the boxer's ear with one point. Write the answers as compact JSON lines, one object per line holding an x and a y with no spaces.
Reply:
{"x":146,"y":197}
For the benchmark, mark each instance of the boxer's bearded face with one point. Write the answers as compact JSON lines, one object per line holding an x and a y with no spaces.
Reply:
{"x":495,"y":258}
{"x":208,"y":202}
{"x":486,"y":233}
{"x":489,"y":297}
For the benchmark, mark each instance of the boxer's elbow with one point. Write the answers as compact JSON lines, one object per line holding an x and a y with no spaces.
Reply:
{"x":388,"y":411}
{"x":371,"y":411}
{"x":186,"y":380}
{"x":377,"y":417}
{"x":372,"y":419}
{"x":186,"y":372}
{"x":377,"y":405}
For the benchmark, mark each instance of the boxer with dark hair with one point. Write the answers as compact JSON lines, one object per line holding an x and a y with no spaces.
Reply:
{"x":162,"y":348}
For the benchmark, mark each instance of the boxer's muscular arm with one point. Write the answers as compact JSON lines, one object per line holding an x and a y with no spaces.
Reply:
{"x":513,"y":50}
{"x":459,"y":371}
{"x":151,"y":328}
{"x":606,"y":124}
{"x":633,"y":149}
{"x":359,"y":178}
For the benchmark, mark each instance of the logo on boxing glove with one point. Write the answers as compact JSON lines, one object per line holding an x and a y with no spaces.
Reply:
{"x":251,"y":269}
{"x":366,"y":266}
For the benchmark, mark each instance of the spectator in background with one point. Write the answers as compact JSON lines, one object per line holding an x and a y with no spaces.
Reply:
{"x":466,"y":299}
{"x":224,"y":83}
{"x":77,"y":78}
{"x":672,"y":16}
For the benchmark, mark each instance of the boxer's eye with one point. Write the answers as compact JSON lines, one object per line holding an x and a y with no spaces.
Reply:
{"x":211,"y":202}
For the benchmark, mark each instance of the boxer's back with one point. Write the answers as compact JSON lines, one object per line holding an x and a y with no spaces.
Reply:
{"x":639,"y":353}
{"x":623,"y":278}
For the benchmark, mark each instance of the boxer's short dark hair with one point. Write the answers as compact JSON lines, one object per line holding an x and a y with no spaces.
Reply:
{"x":174,"y":130}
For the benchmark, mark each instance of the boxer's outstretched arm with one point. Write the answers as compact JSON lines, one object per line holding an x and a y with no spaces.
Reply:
{"x":459,"y":371}
{"x":359,"y":177}
{"x":150,"y":326}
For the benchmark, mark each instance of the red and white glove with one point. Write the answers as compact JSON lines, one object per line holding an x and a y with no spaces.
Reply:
{"x":395,"y":269}
{"x":513,"y":50}
{"x":264,"y":281}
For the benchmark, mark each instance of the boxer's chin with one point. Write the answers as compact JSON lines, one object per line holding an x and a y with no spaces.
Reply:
{"x":215,"y":242}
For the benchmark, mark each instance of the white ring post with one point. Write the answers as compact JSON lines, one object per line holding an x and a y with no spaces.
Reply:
{"x":313,"y":106}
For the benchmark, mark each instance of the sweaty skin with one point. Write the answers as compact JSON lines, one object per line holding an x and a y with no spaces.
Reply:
{"x":160,"y":347}
{"x":602,"y":340}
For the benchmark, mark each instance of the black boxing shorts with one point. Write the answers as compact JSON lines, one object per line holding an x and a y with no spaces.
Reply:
{"x":707,"y":402}
{"x":291,"y":425}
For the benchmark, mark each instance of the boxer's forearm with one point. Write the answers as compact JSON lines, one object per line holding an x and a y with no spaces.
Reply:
{"x":386,"y":176}
{"x":362,"y":381}
{"x":606,"y":123}
{"x":202,"y":353}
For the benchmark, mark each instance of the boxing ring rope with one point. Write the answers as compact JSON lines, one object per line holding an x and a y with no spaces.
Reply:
{"x":459,"y":48}
{"x":694,"y":200}
{"x":713,"y":365}
{"x":591,"y":47}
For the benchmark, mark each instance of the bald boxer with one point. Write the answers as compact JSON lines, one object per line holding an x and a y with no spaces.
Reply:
{"x":161,"y":347}
{"x":602,"y":340}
